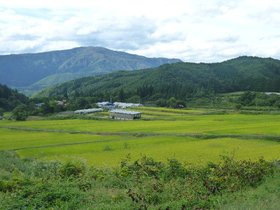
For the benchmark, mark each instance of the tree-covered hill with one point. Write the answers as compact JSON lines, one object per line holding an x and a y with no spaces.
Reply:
{"x":10,"y":98}
{"x":179,"y":80}
{"x":24,"y":70}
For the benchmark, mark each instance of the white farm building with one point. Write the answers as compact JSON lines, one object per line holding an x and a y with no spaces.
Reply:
{"x":88,"y":111}
{"x":123,"y":105}
{"x":121,"y":114}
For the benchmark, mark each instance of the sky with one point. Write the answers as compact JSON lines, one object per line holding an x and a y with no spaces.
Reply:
{"x":191,"y":30}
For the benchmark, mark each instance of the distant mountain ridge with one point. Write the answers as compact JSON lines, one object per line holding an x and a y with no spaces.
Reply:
{"x":179,"y":80}
{"x":25,"y":70}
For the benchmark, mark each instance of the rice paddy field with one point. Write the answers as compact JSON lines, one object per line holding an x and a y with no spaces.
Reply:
{"x":193,"y":136}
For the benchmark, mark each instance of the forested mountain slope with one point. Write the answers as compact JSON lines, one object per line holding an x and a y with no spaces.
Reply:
{"x":10,"y":98}
{"x":179,"y":80}
{"x":39,"y":70}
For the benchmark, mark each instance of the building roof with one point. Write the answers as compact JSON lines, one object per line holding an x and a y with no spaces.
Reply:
{"x":121,"y":111}
{"x":122,"y":104}
{"x":104,"y":103}
{"x":88,"y":110}
{"x":272,"y":93}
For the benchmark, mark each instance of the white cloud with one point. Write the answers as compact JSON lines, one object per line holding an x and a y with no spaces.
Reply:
{"x":193,"y":30}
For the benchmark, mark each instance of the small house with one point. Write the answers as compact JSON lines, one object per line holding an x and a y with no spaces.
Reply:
{"x":121,"y":114}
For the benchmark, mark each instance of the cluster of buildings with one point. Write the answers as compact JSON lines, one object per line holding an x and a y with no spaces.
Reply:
{"x":115,"y":105}
{"x":116,"y":110}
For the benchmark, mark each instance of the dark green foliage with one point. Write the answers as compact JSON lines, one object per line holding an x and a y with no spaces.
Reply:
{"x":182,"y":81}
{"x":247,"y":98}
{"x":154,"y":183}
{"x":143,"y":167}
{"x":141,"y":184}
{"x":233,"y":176}
{"x":72,"y":170}
{"x":238,"y":106}
{"x":175,"y":169}
{"x":20,"y":113}
{"x":121,"y":95}
{"x":10,"y":98}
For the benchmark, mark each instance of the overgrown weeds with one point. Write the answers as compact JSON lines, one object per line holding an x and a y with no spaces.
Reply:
{"x":141,"y":184}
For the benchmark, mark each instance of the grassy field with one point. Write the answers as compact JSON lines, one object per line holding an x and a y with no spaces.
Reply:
{"x":192,"y":136}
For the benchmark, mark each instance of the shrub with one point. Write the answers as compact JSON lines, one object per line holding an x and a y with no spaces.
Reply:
{"x":72,"y":169}
{"x":233,"y":175}
{"x":20,"y":113}
{"x":141,"y":184}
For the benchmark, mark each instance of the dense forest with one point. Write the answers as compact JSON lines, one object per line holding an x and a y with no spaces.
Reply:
{"x":179,"y":80}
{"x":10,"y":98}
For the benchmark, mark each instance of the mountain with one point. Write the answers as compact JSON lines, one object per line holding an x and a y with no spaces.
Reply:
{"x":40,"y":70}
{"x":10,"y":98}
{"x":179,"y":80}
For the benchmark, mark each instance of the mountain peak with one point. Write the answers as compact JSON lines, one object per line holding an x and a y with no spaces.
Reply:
{"x":24,"y":70}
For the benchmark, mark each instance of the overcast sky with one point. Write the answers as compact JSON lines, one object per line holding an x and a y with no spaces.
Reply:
{"x":192,"y":30}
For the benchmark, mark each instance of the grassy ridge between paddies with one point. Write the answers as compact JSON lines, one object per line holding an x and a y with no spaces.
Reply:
{"x":106,"y":142}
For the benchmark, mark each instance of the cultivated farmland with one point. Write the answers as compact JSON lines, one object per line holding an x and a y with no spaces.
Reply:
{"x":192,"y":136}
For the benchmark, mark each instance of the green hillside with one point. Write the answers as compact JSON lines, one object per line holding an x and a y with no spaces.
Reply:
{"x":10,"y":98}
{"x":49,"y":81}
{"x":23,"y":70}
{"x":179,"y":80}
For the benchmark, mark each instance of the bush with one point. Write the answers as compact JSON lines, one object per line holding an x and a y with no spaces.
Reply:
{"x":20,"y":113}
{"x":141,"y":184}
{"x":231,"y":175}
{"x":72,"y":170}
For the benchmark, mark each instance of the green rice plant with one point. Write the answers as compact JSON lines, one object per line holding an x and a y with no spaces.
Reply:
{"x":180,"y":134}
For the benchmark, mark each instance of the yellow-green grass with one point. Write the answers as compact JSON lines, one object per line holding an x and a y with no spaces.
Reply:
{"x":106,"y":142}
{"x":157,"y":113}
{"x":109,"y":150}
{"x":16,"y":139}
{"x":184,"y":149}
{"x":205,"y":124}
{"x":171,"y":111}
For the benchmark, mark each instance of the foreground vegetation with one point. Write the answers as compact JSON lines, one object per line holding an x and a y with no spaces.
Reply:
{"x":141,"y":184}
